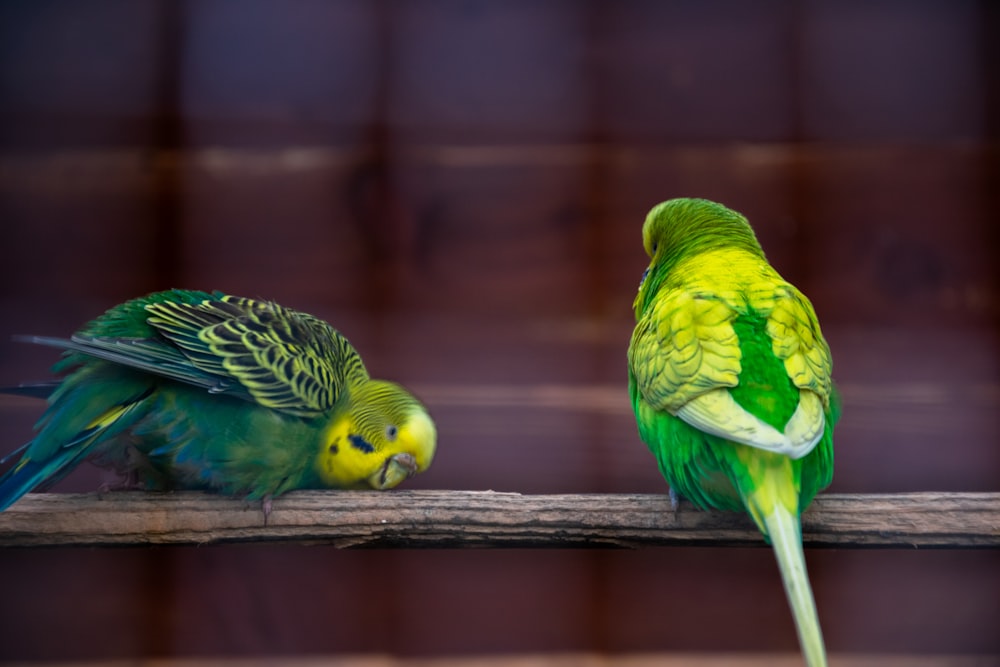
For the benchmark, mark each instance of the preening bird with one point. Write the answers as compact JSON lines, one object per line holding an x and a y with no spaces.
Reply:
{"x":194,"y":390}
{"x":730,"y":380}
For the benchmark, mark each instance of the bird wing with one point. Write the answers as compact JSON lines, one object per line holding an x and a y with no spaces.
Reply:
{"x":255,"y":350}
{"x":285,"y":359}
{"x":685,"y":355}
{"x":683,"y":346}
{"x":797,"y":341}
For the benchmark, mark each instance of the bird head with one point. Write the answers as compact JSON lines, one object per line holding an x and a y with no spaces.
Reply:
{"x":416,"y":440}
{"x":686,"y":225}
{"x":381,"y":437}
{"x":682,"y":227}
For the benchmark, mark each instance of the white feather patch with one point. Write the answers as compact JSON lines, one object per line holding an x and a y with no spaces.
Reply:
{"x":716,"y":412}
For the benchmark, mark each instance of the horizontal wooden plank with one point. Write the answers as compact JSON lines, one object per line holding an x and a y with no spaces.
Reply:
{"x":556,"y":660}
{"x":458,"y":519}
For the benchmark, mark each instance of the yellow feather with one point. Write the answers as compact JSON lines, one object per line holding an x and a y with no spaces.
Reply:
{"x":339,"y":464}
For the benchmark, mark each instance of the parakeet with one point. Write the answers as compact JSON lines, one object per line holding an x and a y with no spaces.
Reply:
{"x":191,"y":390}
{"x":730,"y":380}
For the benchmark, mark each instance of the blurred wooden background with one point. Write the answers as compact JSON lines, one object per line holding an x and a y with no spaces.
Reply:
{"x":459,"y":185}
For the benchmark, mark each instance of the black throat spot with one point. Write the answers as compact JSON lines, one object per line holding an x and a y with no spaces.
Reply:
{"x":360,"y":444}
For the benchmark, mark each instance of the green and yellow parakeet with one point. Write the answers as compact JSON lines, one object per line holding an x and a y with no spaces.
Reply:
{"x":729,"y":377}
{"x":190,"y":390}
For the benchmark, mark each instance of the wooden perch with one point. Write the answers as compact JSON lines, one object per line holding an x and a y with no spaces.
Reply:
{"x":487,"y":519}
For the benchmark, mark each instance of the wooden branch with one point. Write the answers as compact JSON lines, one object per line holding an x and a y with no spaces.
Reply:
{"x":487,"y":519}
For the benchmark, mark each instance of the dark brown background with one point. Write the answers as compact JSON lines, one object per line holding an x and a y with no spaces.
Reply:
{"x":459,"y":186}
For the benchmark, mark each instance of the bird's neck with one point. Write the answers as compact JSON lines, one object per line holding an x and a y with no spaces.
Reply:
{"x":700,"y":262}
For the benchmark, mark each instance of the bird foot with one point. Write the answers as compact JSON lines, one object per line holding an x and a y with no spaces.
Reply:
{"x":266,"y":505}
{"x":128,"y":483}
{"x":675,"y":501}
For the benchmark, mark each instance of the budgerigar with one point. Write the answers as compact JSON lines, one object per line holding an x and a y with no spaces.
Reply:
{"x":730,"y":380}
{"x":194,"y":390}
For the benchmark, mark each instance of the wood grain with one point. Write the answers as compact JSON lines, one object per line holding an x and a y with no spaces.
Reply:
{"x":461,"y":519}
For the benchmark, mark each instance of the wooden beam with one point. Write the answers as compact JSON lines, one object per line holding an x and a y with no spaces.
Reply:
{"x":455,"y":519}
{"x":549,"y":659}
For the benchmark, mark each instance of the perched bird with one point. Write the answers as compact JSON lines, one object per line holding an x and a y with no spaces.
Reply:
{"x":190,"y":390}
{"x":729,"y":377}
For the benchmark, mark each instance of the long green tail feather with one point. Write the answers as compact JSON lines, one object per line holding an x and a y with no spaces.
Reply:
{"x":785,"y":533}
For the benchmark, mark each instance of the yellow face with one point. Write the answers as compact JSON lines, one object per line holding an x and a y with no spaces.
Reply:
{"x":415,"y":441}
{"x":377,"y":445}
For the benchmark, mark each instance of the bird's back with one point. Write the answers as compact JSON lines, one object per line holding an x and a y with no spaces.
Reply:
{"x":738,"y":350}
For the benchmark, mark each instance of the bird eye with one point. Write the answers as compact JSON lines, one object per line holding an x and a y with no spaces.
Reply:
{"x":391,"y":432}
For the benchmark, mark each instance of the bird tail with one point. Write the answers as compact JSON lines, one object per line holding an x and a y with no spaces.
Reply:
{"x":43,"y":464}
{"x":23,"y":477}
{"x":26,"y":474}
{"x":32,"y":390}
{"x":785,"y":533}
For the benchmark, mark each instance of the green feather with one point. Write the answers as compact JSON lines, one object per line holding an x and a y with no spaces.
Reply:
{"x":729,"y":378}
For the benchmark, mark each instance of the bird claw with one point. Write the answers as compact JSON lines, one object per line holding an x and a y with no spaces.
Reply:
{"x":675,"y":501}
{"x":130,"y":482}
{"x":266,"y":505}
